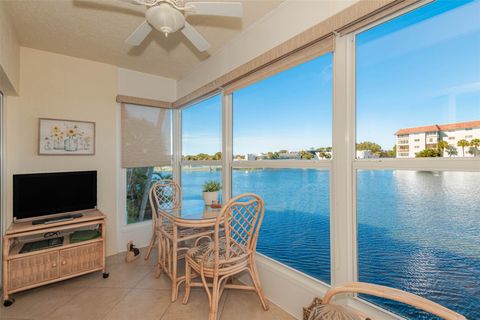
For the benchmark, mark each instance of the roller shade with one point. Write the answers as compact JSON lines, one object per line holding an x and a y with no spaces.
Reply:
{"x":146,"y":136}
{"x":369,"y":13}
{"x":143,"y":102}
{"x":293,"y":59}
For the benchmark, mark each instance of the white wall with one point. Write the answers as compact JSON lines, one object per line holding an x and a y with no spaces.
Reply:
{"x":9,"y":54}
{"x":57,"y":86}
{"x":281,"y":24}
{"x":63,"y":87}
{"x":138,"y":84}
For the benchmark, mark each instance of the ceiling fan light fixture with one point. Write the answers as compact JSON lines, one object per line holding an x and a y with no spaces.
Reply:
{"x":165,"y":18}
{"x":168,"y":16}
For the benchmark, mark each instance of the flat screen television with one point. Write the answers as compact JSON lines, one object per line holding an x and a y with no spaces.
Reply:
{"x":41,"y":194}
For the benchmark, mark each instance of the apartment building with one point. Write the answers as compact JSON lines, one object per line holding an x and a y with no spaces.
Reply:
{"x":413,"y":140}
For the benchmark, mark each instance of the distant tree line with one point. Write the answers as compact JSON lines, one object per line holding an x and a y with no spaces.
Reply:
{"x":203,"y":156}
{"x":326,"y":152}
{"x":377,"y":150}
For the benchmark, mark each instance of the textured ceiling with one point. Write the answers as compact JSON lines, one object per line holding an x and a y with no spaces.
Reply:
{"x":97,"y":29}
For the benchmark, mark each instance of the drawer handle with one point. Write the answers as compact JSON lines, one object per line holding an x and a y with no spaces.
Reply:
{"x":54,"y":265}
{"x":64,"y":262}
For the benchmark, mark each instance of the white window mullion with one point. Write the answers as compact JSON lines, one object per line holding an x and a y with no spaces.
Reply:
{"x":227,"y":147}
{"x":201,"y":162}
{"x":177,"y":145}
{"x":342,"y":227}
{"x":419,"y":164}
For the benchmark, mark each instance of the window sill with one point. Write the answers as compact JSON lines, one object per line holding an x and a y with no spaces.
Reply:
{"x":137,"y":225}
{"x":291,"y":290}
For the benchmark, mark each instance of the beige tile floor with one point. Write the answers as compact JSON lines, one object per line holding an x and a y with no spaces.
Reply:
{"x":131,"y":292}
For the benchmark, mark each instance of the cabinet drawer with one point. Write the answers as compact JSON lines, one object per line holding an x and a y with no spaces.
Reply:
{"x":24,"y":272}
{"x":81,"y":258}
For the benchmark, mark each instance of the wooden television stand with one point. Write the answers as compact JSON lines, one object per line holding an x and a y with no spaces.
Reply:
{"x":23,"y":271}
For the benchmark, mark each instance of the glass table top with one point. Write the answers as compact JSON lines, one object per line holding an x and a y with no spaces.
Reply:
{"x":193,"y":211}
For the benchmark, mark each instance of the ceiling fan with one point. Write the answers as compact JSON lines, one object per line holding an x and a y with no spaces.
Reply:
{"x":168,"y":16}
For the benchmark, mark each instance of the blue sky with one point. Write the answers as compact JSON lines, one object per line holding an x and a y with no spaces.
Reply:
{"x":202,"y":127}
{"x":419,"y":69}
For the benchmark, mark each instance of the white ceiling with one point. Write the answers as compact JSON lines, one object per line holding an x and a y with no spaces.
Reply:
{"x":97,"y":29}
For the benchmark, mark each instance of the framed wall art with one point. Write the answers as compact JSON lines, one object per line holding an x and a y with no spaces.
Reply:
{"x":66,"y":137}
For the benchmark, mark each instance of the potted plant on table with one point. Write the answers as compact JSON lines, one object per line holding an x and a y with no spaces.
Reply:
{"x":210,"y":192}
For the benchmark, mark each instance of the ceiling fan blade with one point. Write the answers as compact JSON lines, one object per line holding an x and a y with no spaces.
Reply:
{"x":195,"y":37}
{"x":139,"y":34}
{"x":226,"y":9}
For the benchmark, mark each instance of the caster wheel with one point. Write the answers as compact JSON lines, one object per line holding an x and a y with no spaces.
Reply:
{"x":8,"y":302}
{"x":105,"y":275}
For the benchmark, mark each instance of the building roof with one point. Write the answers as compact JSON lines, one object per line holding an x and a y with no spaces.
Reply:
{"x":440,"y":127}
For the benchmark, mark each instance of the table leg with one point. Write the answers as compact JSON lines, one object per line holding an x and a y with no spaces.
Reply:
{"x":159,"y":267}
{"x":174,"y":263}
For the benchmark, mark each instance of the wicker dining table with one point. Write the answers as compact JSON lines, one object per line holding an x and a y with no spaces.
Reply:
{"x":180,"y":230}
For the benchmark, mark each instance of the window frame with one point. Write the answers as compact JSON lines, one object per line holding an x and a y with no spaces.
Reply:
{"x":227,"y":163}
{"x":346,"y":47}
{"x":323,"y":164}
{"x":178,"y":161}
{"x":343,"y":166}
{"x":144,"y":222}
{"x":122,"y":173}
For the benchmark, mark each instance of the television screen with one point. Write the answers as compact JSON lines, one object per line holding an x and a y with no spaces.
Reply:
{"x":41,"y":194}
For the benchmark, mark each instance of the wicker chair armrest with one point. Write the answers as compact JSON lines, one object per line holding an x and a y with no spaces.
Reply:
{"x":395,"y":295}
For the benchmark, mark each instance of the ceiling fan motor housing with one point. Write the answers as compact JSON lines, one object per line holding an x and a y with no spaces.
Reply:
{"x":165,"y":18}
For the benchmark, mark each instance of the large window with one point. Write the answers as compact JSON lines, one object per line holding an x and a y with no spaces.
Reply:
{"x":413,"y":223}
{"x":201,"y":147}
{"x":193,"y":179}
{"x":146,"y":155}
{"x":418,"y":79}
{"x":419,"y":231}
{"x":287,"y":116}
{"x":139,"y":181}
{"x":296,"y":227}
{"x":202,"y":130}
{"x":418,"y":96}
{"x":282,"y":137}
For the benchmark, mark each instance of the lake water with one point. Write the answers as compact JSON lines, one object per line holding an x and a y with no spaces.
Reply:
{"x":417,"y":230}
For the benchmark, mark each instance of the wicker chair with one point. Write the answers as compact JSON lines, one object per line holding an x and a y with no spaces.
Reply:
{"x":231,"y":252}
{"x":323,"y":309}
{"x":167,"y":195}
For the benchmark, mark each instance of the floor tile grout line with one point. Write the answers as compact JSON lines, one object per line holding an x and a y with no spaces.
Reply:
{"x":138,"y":283}
{"x":80,"y":291}
{"x":227,"y":296}
{"x":165,"y":311}
{"x":118,"y":302}
{"x":133,"y":286}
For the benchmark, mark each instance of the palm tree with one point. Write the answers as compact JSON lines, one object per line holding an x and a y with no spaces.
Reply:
{"x":451,"y":151}
{"x":475,"y":143}
{"x":463,"y":143}
{"x":442,"y":145}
